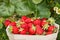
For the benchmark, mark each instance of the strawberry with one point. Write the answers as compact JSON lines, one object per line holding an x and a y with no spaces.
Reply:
{"x":25,"y":26}
{"x":39,"y":30}
{"x":32,"y":30}
{"x":23,"y":18}
{"x":13,"y":23}
{"x":15,"y":30}
{"x":49,"y":32}
{"x":7,"y":22}
{"x":22,"y":31}
{"x":43,"y":22}
{"x":37,"y":22}
{"x":30,"y":25}
{"x":51,"y":28}
{"x":28,"y":20}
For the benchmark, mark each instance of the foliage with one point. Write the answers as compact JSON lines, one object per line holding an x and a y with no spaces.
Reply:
{"x":6,"y":9}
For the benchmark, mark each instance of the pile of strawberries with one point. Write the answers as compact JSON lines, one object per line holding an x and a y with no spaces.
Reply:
{"x":31,"y":26}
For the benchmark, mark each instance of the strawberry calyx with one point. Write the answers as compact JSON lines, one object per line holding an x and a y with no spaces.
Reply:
{"x":45,"y":27}
{"x":51,"y":21}
{"x":33,"y":27}
{"x":10,"y":29}
{"x":22,"y":31}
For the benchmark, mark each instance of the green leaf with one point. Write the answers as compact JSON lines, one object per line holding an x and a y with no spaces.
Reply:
{"x":14,"y":1}
{"x":36,"y":1}
{"x":1,"y":25}
{"x":22,"y":9}
{"x":31,"y":5}
{"x":6,"y":10}
{"x":44,"y":13}
{"x":57,"y":4}
{"x":43,"y":10}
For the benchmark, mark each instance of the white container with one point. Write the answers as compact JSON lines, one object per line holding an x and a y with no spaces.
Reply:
{"x":32,"y":37}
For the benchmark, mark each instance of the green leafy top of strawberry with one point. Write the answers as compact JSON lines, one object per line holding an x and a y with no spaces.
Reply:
{"x":51,"y":21}
{"x":33,"y":27}
{"x":21,"y":29}
{"x":45,"y":27}
{"x":18,"y":23}
{"x":10,"y":29}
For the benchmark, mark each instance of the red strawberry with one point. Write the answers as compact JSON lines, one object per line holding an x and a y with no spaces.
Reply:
{"x":28,"y":20}
{"x":23,"y":18}
{"x":25,"y":26}
{"x":32,"y":30}
{"x":39,"y":30}
{"x":51,"y":28}
{"x":15,"y":30}
{"x":22,"y":31}
{"x":7,"y":22}
{"x":13,"y":23}
{"x":43,"y":22}
{"x":49,"y":32}
{"x":37,"y":22}
{"x":30,"y":25}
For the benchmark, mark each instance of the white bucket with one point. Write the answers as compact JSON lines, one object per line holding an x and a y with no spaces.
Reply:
{"x":32,"y":37}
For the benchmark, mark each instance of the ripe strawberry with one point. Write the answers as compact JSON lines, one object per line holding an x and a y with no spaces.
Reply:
{"x":39,"y":30}
{"x":49,"y":32}
{"x":7,"y":22}
{"x":37,"y":22}
{"x":30,"y":25}
{"x":13,"y":23}
{"x":51,"y":28}
{"x":22,"y":31}
{"x":15,"y":30}
{"x":25,"y":25}
{"x":28,"y":20}
{"x":43,"y":22}
{"x":32,"y":30}
{"x":23,"y":18}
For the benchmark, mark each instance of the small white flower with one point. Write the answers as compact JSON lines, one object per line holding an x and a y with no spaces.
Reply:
{"x":55,"y":8}
{"x":58,"y":11}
